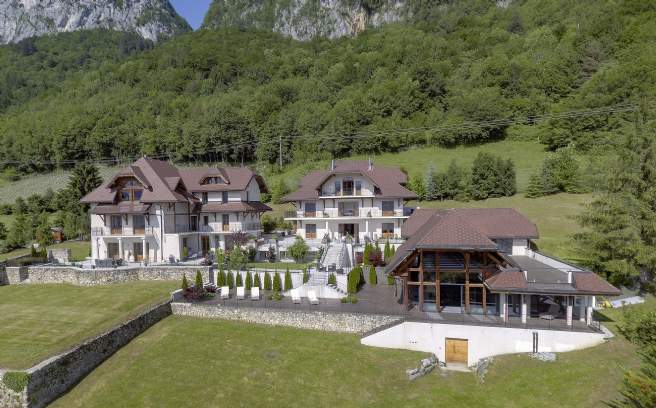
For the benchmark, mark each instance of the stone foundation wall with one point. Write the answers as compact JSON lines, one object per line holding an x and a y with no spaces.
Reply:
{"x":56,"y":375}
{"x":4,"y":280}
{"x":15,"y":274}
{"x":10,"y":398}
{"x":90,"y":277}
{"x":335,"y":322}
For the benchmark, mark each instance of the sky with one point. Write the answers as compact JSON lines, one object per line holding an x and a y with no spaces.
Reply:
{"x":192,"y":10}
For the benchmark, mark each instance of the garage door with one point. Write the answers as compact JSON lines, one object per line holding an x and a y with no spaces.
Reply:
{"x":456,"y":351}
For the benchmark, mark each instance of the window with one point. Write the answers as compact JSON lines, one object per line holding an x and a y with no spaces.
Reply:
{"x":139,"y":223}
{"x":388,"y":208}
{"x":311,"y":231}
{"x":348,"y":209}
{"x":130,"y":183}
{"x":310,"y":209}
{"x":137,"y":195}
{"x":206,"y":220}
{"x":194,"y":223}
{"x":338,"y":188}
{"x":224,"y":197}
{"x":225,"y":222}
{"x":347,"y":185}
{"x":204,"y":198}
{"x":213,"y":180}
{"x":125,"y":196}
{"x":358,"y":187}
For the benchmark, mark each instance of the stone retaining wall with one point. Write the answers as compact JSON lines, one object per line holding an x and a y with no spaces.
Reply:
{"x":90,"y":277}
{"x":51,"y":378}
{"x":335,"y":322}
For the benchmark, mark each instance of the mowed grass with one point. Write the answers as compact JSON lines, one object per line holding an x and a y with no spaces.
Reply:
{"x":189,"y":362}
{"x":555,"y":217}
{"x":79,"y":250}
{"x":39,"y":321}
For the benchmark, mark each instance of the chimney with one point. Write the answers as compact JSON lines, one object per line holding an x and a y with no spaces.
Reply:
{"x":332,"y":165}
{"x":371,"y":164}
{"x":569,"y":276}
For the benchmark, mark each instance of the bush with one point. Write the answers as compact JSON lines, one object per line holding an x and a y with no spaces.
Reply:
{"x":288,"y":280}
{"x":298,"y":250}
{"x":239,"y":280}
{"x":249,"y":281}
{"x":256,"y":281}
{"x":185,"y":253}
{"x":373,"y":278}
{"x":185,"y":283}
{"x":349,"y":299}
{"x":16,"y":380}
{"x":354,"y":279}
{"x":639,"y":328}
{"x":276,"y":296}
{"x":366,"y":254}
{"x":387,"y":252}
{"x":267,"y":281}
{"x":219,"y":255}
{"x":306,"y":275}
{"x":332,"y":279}
{"x":230,"y":281}
{"x":277,"y":284}
{"x":390,"y":280}
{"x":221,"y":278}
{"x":199,"y":280}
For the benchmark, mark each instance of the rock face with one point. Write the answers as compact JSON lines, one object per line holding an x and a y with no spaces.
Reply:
{"x":307,"y":19}
{"x":152,"y":19}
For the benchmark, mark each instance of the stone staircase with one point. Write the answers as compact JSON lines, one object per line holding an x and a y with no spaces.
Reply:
{"x":337,"y":254}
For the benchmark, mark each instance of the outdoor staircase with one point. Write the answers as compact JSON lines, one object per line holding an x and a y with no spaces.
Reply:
{"x":337,"y":254}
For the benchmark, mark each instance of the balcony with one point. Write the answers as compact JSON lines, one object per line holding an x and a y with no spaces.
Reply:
{"x":232,"y":227}
{"x":122,"y":231}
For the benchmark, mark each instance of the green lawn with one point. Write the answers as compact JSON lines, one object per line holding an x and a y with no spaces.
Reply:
{"x":38,"y":321}
{"x":277,"y":265}
{"x":79,"y":250}
{"x":188,"y":362}
{"x":554,"y":215}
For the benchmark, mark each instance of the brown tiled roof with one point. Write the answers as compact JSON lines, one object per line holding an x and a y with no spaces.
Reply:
{"x":250,"y":206}
{"x":161,"y":180}
{"x":590,"y":282}
{"x":447,"y":230}
{"x":121,"y":208}
{"x":506,"y":280}
{"x":389,"y":180}
{"x":492,"y":222}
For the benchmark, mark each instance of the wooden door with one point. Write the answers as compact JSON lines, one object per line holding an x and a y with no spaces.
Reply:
{"x":137,"y":250}
{"x":457,"y":351}
{"x":205,"y":244}
{"x":112,"y":250}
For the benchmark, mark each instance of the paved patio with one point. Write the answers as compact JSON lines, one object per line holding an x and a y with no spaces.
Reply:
{"x":382,"y":300}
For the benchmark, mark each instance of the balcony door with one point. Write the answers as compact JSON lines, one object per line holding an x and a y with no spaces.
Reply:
{"x":139,"y":224}
{"x":310,"y":209}
{"x":137,"y":250}
{"x":116,"y":224}
{"x":347,"y":187}
{"x":225,"y":222}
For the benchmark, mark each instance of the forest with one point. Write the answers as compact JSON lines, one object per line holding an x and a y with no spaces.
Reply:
{"x":471,"y":73}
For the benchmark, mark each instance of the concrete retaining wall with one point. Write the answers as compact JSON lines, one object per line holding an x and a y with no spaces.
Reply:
{"x":335,"y":322}
{"x":90,"y":277}
{"x":483,"y":341}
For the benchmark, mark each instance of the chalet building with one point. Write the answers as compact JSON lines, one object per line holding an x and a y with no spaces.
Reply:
{"x":150,"y":211}
{"x":481,"y":261}
{"x":350,"y":199}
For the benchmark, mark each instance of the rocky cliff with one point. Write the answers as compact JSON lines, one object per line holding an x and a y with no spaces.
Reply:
{"x":152,"y":19}
{"x":307,"y":19}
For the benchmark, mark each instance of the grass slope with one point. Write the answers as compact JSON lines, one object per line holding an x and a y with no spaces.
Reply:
{"x":187,"y":362}
{"x":79,"y":250}
{"x":39,"y":321}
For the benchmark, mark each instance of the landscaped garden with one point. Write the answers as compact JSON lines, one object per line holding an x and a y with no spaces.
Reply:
{"x":223,"y":363}
{"x":39,"y":321}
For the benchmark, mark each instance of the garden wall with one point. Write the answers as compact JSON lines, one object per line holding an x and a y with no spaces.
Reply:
{"x":56,"y":375}
{"x":90,"y":277}
{"x":335,"y":322}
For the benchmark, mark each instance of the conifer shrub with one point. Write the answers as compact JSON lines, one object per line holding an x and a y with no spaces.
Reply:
{"x":239,"y":283}
{"x":387,"y":252}
{"x":230,"y":280}
{"x":373,"y":278}
{"x":288,"y":280}
{"x":306,"y":275}
{"x":354,"y":279}
{"x":185,"y":283}
{"x":267,"y":281}
{"x":332,"y":279}
{"x":256,"y":281}
{"x":277,"y":284}
{"x":221,"y":278}
{"x":249,"y":281}
{"x":199,"y":280}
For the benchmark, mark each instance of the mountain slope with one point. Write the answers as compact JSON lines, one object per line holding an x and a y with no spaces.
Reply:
{"x":306,"y":19}
{"x":152,"y":19}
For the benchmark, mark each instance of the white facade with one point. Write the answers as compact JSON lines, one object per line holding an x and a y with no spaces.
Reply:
{"x":353,"y":211}
{"x":167,"y":228}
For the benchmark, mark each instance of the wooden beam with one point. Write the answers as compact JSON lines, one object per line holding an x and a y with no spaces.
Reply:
{"x":484,"y":301}
{"x":406,"y":293}
{"x":467,"y":282}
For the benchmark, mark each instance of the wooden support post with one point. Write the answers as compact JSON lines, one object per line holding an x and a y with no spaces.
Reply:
{"x":437,"y":281}
{"x":484,"y":301}
{"x":467,"y":282}
{"x":421,"y":279}
{"x":406,"y":292}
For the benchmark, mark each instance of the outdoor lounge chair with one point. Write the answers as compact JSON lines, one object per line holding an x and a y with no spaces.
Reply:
{"x":296,"y":298}
{"x":255,"y":293}
{"x":225,"y":292}
{"x":241,"y":294}
{"x":312,"y":296}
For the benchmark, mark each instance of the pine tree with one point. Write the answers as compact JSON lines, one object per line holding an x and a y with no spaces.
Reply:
{"x":639,"y":387}
{"x":417,"y":186}
{"x":249,"y":281}
{"x":373,"y":278}
{"x":288,"y":280}
{"x":431,"y":191}
{"x":185,"y":283}
{"x":230,"y":281}
{"x":508,"y":178}
{"x":256,"y":281}
{"x":453,"y":181}
{"x":534,"y":188}
{"x":267,"y":281}
{"x":366,"y":254}
{"x":277,"y":285}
